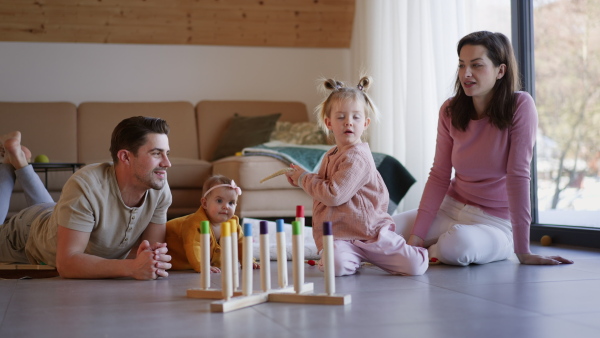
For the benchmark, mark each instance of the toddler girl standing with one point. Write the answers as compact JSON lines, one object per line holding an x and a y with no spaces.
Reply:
{"x":349,"y":191}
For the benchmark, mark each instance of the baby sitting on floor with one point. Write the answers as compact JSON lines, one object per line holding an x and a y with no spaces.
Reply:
{"x":217,"y":205}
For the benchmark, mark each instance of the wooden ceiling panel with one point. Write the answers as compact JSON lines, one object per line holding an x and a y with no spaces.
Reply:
{"x":274,"y":23}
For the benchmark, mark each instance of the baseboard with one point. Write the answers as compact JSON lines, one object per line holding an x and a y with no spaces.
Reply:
{"x":568,"y":235}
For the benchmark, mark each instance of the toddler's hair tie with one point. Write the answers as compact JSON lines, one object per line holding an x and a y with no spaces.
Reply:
{"x":231,"y":186}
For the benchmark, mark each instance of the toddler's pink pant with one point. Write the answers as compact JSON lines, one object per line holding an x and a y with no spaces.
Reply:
{"x":389,"y":252}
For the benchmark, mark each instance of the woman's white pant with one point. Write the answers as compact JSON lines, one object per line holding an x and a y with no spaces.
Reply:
{"x":462,"y":234}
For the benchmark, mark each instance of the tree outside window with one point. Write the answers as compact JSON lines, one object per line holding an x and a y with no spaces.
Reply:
{"x":567,"y":75}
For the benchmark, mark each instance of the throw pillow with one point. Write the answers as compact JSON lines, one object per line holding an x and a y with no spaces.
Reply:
{"x":245,"y":131}
{"x":298,"y":133}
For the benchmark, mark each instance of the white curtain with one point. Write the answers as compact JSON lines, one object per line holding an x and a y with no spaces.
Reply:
{"x":409,"y":48}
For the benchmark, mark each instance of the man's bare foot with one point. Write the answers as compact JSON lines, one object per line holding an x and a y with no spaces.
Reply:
{"x":12,"y":150}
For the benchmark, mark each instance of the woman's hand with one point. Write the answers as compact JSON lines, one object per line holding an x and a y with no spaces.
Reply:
{"x":415,"y":240}
{"x":532,"y":259}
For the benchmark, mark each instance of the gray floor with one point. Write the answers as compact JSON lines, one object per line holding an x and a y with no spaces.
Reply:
{"x":503,"y":299}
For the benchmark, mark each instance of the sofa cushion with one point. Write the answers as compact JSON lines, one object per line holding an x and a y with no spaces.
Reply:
{"x":187,"y":173}
{"x":245,"y":131}
{"x":96,"y":121}
{"x":48,"y":128}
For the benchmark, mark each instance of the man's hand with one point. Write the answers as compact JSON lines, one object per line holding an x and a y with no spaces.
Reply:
{"x":151,"y":261}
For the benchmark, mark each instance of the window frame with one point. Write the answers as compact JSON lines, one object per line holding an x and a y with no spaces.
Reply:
{"x":522,"y":40}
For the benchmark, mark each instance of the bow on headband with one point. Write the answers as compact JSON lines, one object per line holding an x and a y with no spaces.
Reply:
{"x":231,"y":186}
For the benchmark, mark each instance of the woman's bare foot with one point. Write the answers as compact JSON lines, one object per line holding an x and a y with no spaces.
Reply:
{"x":12,"y":150}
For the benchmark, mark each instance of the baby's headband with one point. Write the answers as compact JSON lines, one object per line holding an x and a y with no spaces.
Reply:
{"x":231,"y":186}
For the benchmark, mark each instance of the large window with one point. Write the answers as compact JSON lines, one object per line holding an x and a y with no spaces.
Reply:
{"x":567,"y":91}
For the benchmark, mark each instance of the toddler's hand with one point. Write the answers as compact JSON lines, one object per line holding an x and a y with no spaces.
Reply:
{"x":291,"y":181}
{"x":294,"y":175}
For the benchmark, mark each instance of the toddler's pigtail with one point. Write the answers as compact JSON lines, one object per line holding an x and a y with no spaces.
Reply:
{"x":328,"y":87}
{"x":364,"y":83}
{"x":333,"y":85}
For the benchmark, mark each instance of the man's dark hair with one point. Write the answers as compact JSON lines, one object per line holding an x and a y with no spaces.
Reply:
{"x":130,"y":134}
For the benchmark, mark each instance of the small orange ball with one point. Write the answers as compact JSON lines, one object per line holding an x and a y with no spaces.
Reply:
{"x":546,"y":240}
{"x":311,"y":262}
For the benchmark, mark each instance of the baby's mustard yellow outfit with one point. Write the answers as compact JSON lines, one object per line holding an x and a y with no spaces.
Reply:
{"x":183,"y":241}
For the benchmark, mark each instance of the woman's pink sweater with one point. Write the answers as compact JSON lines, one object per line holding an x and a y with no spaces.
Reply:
{"x":491,"y":170}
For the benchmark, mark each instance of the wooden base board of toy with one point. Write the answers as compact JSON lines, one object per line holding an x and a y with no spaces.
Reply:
{"x":26,"y":271}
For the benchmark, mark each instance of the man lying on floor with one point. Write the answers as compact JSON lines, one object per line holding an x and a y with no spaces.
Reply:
{"x":104,"y":210}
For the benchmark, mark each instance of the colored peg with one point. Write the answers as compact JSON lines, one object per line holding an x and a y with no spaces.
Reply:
{"x":265,"y":266}
{"x":281,"y":255}
{"x":297,"y":256}
{"x":247,"y":261}
{"x":226,"y":281}
{"x":234,"y":254}
{"x":328,"y":258}
{"x":204,"y":255}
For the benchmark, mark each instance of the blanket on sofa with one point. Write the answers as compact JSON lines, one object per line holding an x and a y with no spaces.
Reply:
{"x":397,"y":179}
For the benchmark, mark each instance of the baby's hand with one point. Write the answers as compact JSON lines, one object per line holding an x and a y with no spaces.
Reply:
{"x":214,"y":269}
{"x":255,"y":266}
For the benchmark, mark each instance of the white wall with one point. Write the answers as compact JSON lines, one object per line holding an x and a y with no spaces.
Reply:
{"x":78,"y":72}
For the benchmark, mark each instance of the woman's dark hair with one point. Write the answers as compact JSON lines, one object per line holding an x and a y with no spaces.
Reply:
{"x":130,"y":134}
{"x":501,"y":107}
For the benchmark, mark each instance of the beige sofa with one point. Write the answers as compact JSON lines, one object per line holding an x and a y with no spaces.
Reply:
{"x":68,"y":133}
